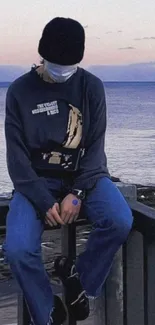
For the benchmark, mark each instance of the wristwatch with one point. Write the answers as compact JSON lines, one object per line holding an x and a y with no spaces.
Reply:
{"x":78,"y":193}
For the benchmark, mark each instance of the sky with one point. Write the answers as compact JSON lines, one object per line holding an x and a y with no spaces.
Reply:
{"x":117,"y":32}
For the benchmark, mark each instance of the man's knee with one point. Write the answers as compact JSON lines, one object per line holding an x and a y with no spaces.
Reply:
{"x":19,"y":203}
{"x":13,"y":255}
{"x":122,"y":223}
{"x":125,"y":225}
{"x":21,"y":221}
{"x":16,"y":253}
{"x":117,"y":222}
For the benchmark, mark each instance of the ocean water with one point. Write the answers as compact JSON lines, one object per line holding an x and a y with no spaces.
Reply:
{"x":130,"y":138}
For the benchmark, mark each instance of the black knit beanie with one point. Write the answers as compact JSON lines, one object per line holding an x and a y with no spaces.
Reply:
{"x":62,"y":41}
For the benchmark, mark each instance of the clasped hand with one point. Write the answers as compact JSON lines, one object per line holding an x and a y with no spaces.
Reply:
{"x":64,"y":213}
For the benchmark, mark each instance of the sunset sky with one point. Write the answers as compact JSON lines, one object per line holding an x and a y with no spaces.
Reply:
{"x":117,"y":32}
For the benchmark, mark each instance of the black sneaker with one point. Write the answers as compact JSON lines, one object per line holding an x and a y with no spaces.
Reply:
{"x":75,"y":297}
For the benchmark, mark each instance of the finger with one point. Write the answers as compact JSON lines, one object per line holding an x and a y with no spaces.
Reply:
{"x":57,"y":218}
{"x":68,"y":217}
{"x":51,"y":219}
{"x":76,"y":216}
{"x":71,"y":219}
{"x":63,"y":215}
{"x":48,"y":222}
{"x":58,"y":208}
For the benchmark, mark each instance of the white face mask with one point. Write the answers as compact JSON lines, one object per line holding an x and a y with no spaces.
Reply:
{"x":59,"y":73}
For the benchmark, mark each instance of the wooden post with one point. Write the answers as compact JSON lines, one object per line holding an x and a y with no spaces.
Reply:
{"x":68,"y":241}
{"x":114,"y":283}
{"x":68,"y":248}
{"x":114,"y":292}
{"x":100,"y":310}
{"x":149,"y":272}
{"x":134,"y":280}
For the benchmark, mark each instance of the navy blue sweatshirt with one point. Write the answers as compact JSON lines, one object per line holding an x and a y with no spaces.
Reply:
{"x":44,"y":118}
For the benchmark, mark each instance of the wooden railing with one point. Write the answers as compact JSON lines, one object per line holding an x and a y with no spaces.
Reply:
{"x":129,"y":293}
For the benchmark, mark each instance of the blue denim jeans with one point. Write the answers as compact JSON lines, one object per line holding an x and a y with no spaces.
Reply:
{"x":111,"y":218}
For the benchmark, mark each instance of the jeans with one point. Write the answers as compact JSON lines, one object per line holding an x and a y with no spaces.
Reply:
{"x":111,"y":218}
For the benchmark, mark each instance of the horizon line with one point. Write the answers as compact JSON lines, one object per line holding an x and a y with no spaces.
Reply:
{"x":89,"y":65}
{"x":104,"y":81}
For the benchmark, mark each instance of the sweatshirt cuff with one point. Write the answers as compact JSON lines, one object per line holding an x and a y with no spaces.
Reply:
{"x":45,"y":205}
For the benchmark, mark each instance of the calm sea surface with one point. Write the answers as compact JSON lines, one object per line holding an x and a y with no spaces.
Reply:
{"x":130,"y":141}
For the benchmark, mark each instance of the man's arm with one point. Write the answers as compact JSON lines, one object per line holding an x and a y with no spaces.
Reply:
{"x":94,"y":161}
{"x":24,"y":178}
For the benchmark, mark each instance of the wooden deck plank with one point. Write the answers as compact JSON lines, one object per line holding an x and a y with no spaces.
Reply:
{"x":134,"y":280}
